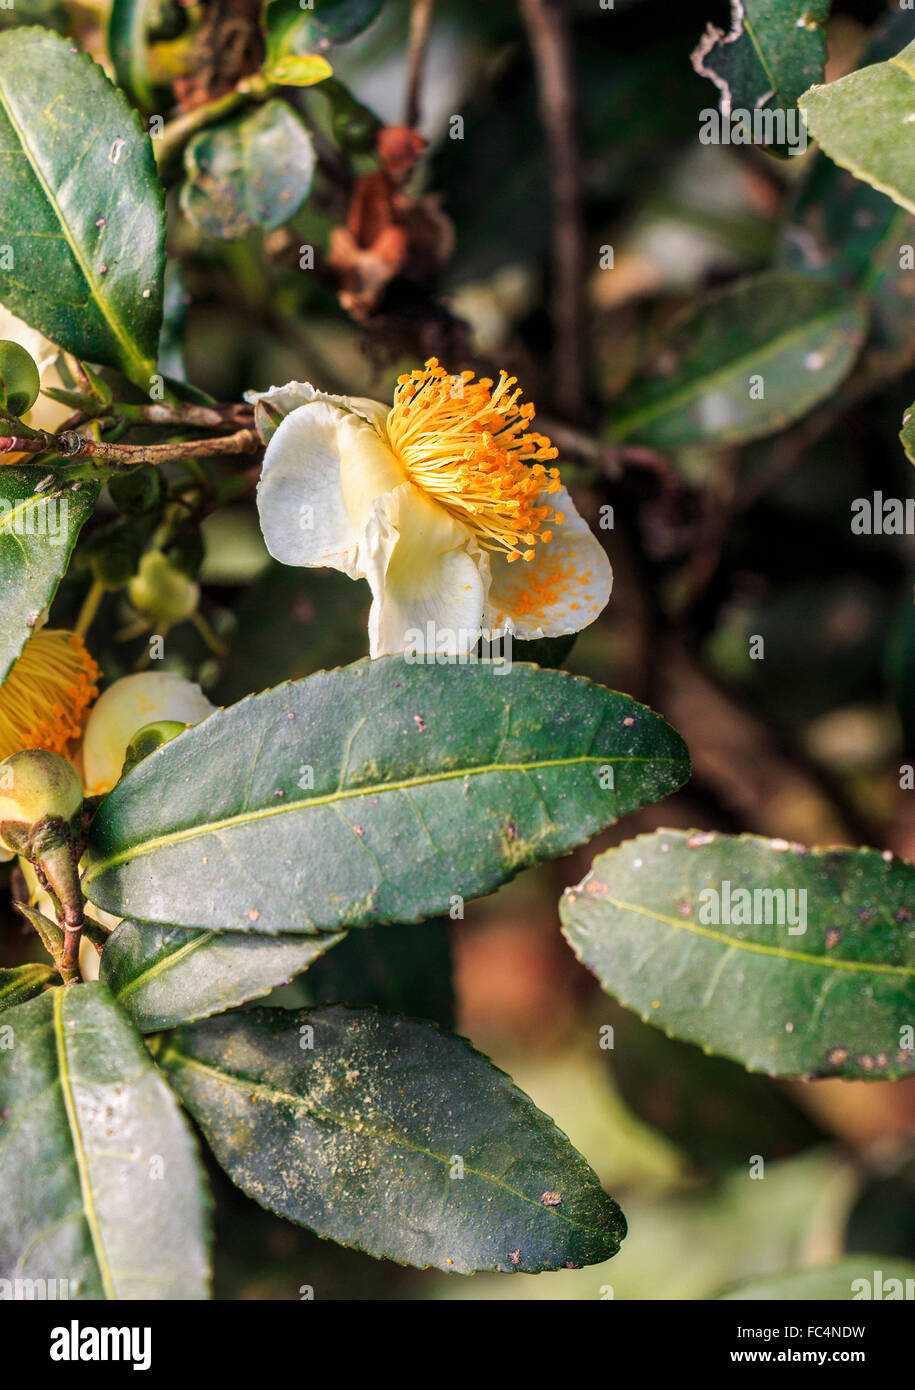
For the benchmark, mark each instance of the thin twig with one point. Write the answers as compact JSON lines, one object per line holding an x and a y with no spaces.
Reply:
{"x":548,"y":34}
{"x":420,"y":26}
{"x":71,"y":445}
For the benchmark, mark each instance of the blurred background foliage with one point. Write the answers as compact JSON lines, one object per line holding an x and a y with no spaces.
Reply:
{"x":715,"y":540}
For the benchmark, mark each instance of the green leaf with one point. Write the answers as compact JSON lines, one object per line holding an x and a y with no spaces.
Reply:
{"x":162,"y":976}
{"x":355,"y":1123}
{"x":855,"y":1277}
{"x":374,"y":793}
{"x":23,"y":982}
{"x":863,"y":122}
{"x":907,"y":433}
{"x":129,"y":22}
{"x":99,"y":1183}
{"x":791,"y":337}
{"x":774,"y":51}
{"x":302,"y":71}
{"x":82,"y":206}
{"x":37,"y":534}
{"x":252,"y":171}
{"x":293,"y":30}
{"x":651,"y":920}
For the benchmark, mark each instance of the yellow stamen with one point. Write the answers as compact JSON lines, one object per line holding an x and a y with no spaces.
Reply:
{"x":470,"y":447}
{"x":45,"y":699}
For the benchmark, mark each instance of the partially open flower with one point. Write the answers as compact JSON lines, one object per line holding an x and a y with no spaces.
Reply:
{"x":448,"y":504}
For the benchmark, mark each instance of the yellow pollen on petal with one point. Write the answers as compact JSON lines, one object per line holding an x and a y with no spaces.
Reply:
{"x":45,"y":699}
{"x":469,"y":446}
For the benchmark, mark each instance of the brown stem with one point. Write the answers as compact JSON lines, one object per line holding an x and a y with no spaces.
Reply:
{"x":550,"y":40}
{"x":420,"y":25}
{"x":71,"y":445}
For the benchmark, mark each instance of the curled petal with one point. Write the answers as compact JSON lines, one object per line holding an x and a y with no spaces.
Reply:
{"x":283,"y":400}
{"x":561,"y":589}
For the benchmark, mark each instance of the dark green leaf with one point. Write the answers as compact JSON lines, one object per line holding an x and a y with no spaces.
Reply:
{"x":355,"y":1123}
{"x":774,"y":51}
{"x":23,"y":982}
{"x":863,"y":123}
{"x":660,"y":921}
{"x":82,"y":206}
{"x":37,"y":534}
{"x":252,"y":171}
{"x":99,"y":1183}
{"x":745,"y":363}
{"x":128,"y":24}
{"x":380,"y":792}
{"x":293,"y":30}
{"x":162,"y":976}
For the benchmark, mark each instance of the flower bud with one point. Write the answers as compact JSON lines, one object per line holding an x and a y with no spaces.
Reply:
{"x":160,"y":592}
{"x":36,"y":784}
{"x":148,"y":739}
{"x":19,"y":379}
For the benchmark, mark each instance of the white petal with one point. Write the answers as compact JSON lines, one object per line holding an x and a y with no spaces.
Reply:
{"x":286,"y":399}
{"x":562,"y":589}
{"x":124,"y":708}
{"x":427,"y":574}
{"x":323,"y":470}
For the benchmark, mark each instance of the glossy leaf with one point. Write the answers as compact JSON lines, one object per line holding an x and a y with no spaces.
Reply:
{"x":863,"y":122}
{"x":252,"y":171}
{"x":23,"y":982}
{"x":127,"y":30}
{"x":82,"y":206}
{"x":374,"y":793}
{"x":99,"y":1183}
{"x":37,"y":535}
{"x":296,"y":30}
{"x":824,"y":987}
{"x":774,"y":50}
{"x":745,"y":363}
{"x":357,"y":1124}
{"x":161,"y":976}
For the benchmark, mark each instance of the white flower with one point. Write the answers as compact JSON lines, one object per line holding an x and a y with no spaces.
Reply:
{"x":444,"y":503}
{"x":46,"y":414}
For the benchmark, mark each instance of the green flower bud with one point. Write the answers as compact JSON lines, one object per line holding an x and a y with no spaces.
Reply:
{"x":160,"y":592}
{"x":19,"y":379}
{"x":148,"y":739}
{"x":36,"y":784}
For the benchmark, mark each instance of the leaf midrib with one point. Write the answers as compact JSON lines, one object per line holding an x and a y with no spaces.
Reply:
{"x":136,"y":365}
{"x":756,"y":947}
{"x":395,"y":1141}
{"x":95,"y":869}
{"x":701,"y":385}
{"x":79,"y":1152}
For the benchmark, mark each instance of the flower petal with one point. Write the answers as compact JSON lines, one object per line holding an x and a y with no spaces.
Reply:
{"x":428,"y":577}
{"x":562,"y":589}
{"x":283,"y":400}
{"x":127,"y":706}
